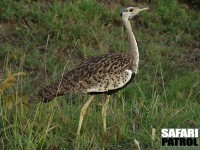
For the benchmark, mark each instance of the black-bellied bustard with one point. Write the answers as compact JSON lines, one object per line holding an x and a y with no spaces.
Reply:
{"x":103,"y":74}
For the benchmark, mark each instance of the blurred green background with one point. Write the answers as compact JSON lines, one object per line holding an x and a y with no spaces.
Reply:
{"x":39,"y":40}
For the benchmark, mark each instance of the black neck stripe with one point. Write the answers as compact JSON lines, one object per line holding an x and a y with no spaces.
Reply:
{"x":125,"y":10}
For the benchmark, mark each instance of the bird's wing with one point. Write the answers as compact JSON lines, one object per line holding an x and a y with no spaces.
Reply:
{"x":101,"y":74}
{"x":111,"y":82}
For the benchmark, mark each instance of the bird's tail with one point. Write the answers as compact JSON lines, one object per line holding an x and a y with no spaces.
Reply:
{"x":49,"y":92}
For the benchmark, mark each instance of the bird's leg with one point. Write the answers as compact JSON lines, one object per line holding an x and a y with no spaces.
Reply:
{"x":104,"y":109}
{"x":83,"y":110}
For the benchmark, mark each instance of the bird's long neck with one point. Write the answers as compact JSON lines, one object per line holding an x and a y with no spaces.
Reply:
{"x":132,"y":45}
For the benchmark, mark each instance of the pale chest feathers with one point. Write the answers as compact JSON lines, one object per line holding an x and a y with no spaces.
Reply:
{"x":135,"y":63}
{"x":135,"y":67}
{"x":111,"y":82}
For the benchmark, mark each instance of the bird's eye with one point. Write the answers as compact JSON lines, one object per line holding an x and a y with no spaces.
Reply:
{"x":130,"y":10}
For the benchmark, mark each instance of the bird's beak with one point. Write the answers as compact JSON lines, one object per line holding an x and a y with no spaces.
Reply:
{"x":138,"y":10}
{"x":146,"y":8}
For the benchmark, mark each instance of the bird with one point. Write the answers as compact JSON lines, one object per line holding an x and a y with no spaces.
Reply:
{"x":105,"y":74}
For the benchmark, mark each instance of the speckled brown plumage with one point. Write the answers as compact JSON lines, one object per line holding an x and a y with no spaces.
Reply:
{"x":103,"y":74}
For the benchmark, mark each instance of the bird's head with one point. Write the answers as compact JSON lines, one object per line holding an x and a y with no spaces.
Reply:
{"x":129,"y":12}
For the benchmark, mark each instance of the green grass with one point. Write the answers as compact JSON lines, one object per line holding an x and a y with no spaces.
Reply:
{"x":44,"y":39}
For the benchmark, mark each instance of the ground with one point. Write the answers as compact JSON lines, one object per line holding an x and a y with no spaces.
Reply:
{"x":40,"y":40}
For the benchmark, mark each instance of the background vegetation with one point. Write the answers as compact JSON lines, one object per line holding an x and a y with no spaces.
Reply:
{"x":41,"y":39}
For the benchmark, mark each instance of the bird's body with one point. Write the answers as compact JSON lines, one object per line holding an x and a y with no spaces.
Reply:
{"x":103,"y":74}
